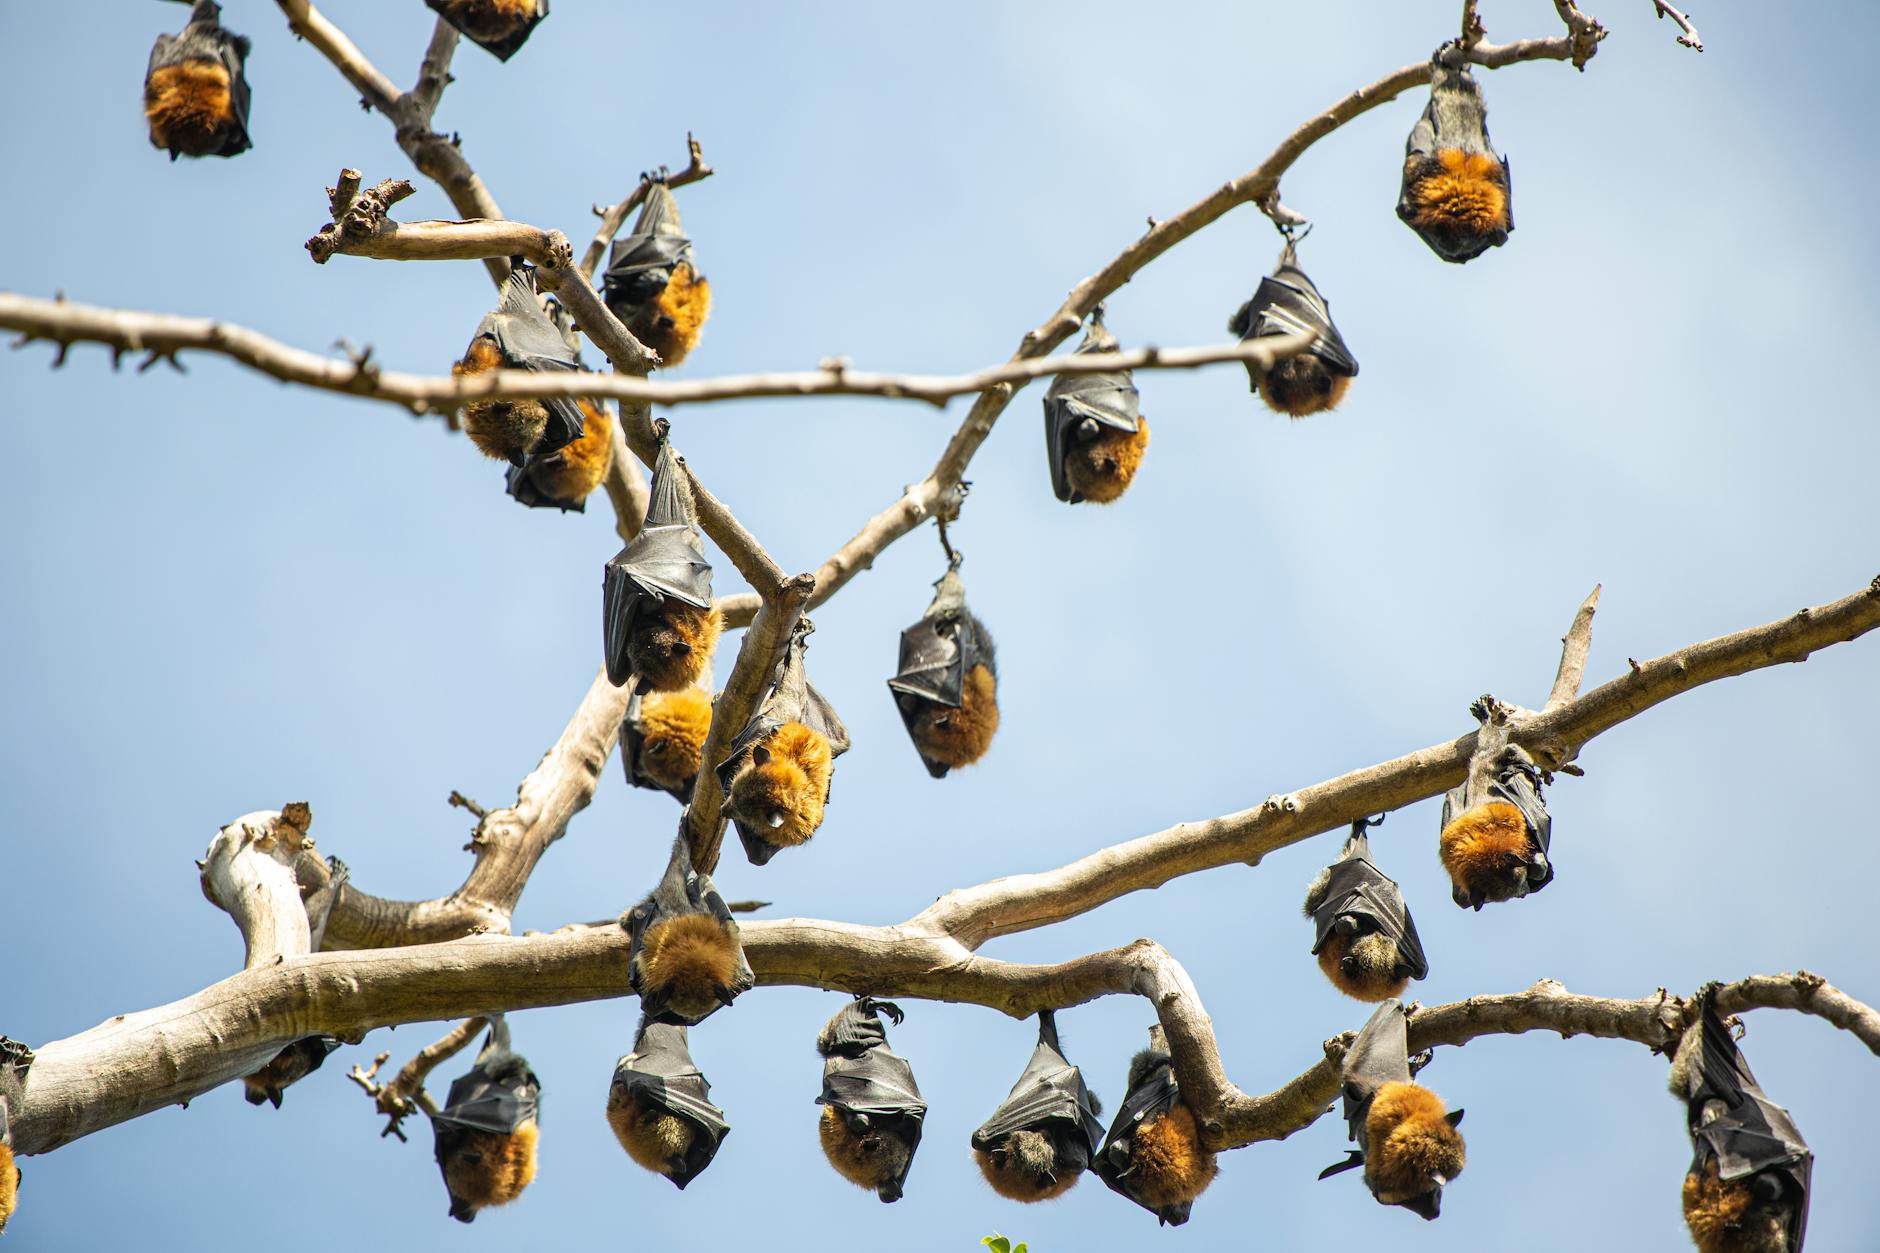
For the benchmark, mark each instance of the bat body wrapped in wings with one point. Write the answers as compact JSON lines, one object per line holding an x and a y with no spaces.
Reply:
{"x":195,"y":94}
{"x":659,"y":1106}
{"x":777,"y":777}
{"x":498,"y":26}
{"x":1364,"y":937}
{"x":947,"y":686}
{"x":288,"y":1067}
{"x":1287,"y":303}
{"x":1496,"y":830}
{"x":872,"y":1109}
{"x":1094,"y":431}
{"x":1747,"y":1188}
{"x":685,"y":957}
{"x":658,"y":623}
{"x":487,"y":1131}
{"x":564,"y":478}
{"x":1153,"y":1154}
{"x":662,"y":740}
{"x":518,"y":335}
{"x":652,"y":283}
{"x":1042,"y":1138}
{"x":1458,"y":195}
{"x":1407,"y":1143}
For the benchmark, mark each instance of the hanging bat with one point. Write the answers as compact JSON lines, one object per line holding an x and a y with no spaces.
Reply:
{"x":685,"y":959}
{"x":776,"y":780}
{"x":563,"y":479}
{"x":10,"y":1174}
{"x":1366,"y":941}
{"x":657,"y":618}
{"x":1496,"y":830}
{"x":947,"y":688}
{"x":872,"y":1111}
{"x":652,"y":283}
{"x":195,"y":97}
{"x":1457,"y":193}
{"x":1747,"y":1189}
{"x":517,"y":335}
{"x":660,"y":1109}
{"x":1407,"y":1143}
{"x":487,"y":1131}
{"x":1041,"y":1139}
{"x":499,"y":26}
{"x":1154,"y":1155}
{"x":662,"y":740}
{"x":1094,"y":431}
{"x":288,"y":1067}
{"x":1287,"y":303}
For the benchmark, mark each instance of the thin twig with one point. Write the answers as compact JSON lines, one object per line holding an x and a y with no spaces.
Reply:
{"x":1689,"y":38}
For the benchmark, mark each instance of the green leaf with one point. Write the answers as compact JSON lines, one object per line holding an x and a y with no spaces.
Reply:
{"x":999,"y":1244}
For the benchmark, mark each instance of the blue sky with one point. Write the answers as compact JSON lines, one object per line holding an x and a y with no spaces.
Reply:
{"x":221,"y":594}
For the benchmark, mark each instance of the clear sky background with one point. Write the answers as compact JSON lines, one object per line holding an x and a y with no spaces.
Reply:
{"x":221,"y":595}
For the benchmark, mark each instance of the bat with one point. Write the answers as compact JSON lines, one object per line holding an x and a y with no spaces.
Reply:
{"x":10,"y":1174}
{"x":1457,"y":193}
{"x":1153,"y":1154}
{"x":1365,"y":939}
{"x":487,"y":1131}
{"x":1042,"y":1138}
{"x":1287,"y":303}
{"x":1094,"y":431}
{"x":663,"y":738}
{"x":564,"y":478}
{"x":195,"y":96}
{"x":776,"y":780}
{"x":657,"y":618}
{"x":1496,"y":829}
{"x":685,"y":960}
{"x":499,"y":26}
{"x":947,"y":687}
{"x":1407,"y":1143}
{"x":652,"y":283}
{"x":872,"y":1111}
{"x":660,"y":1108}
{"x":1747,"y":1188}
{"x":288,"y":1067}
{"x":518,"y":335}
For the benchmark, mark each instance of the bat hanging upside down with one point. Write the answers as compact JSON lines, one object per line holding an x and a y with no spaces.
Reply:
{"x":1457,"y":193}
{"x":487,"y":1132}
{"x":1366,"y":941}
{"x":1154,"y":1154}
{"x":500,"y":26}
{"x":872,"y":1109}
{"x":195,"y":93}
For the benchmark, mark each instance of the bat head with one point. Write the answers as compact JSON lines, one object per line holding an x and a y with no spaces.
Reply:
{"x":670,"y":646}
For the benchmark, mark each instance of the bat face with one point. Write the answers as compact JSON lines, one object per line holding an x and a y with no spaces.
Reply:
{"x":487,"y":1168}
{"x":784,"y":785}
{"x":871,"y":1151}
{"x":498,"y":26}
{"x":663,"y":740}
{"x":289,"y":1066}
{"x":655,"y":1140}
{"x":1457,"y":193}
{"x":1287,"y":303}
{"x":1154,"y":1154}
{"x":1749,"y":1215}
{"x":195,"y":94}
{"x":1094,"y":431}
{"x":670,"y":646}
{"x":563,"y":479}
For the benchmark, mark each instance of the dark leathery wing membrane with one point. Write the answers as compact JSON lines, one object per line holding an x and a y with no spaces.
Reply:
{"x":499,"y":27}
{"x":1287,"y":302}
{"x":869,"y":1087}
{"x":937,"y":654}
{"x":660,"y":1074}
{"x":1051,"y":1099}
{"x":528,"y":340}
{"x":1080,"y":407}
{"x":665,"y":558}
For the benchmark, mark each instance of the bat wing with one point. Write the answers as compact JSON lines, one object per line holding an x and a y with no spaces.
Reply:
{"x":504,"y":48}
{"x":1050,"y":1090}
{"x":1359,"y":889}
{"x":483,"y":1101}
{"x":1519,"y":785}
{"x":523,"y":487}
{"x":1287,"y":303}
{"x":880,"y":1081}
{"x":1155,"y":1093}
{"x":1078,"y":406}
{"x":528,"y":340}
{"x":660,"y":1072}
{"x":640,"y":266}
{"x":1379,"y":1055}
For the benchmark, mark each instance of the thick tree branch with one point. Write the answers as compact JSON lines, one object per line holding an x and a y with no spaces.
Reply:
{"x":615,"y":218}
{"x":1554,"y":736}
{"x":446,"y":241}
{"x":249,"y":874}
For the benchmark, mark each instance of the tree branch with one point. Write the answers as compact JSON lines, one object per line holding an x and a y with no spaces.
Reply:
{"x":405,"y":1095}
{"x":249,"y":874}
{"x":1689,"y":38}
{"x":434,"y":72}
{"x":1574,"y":647}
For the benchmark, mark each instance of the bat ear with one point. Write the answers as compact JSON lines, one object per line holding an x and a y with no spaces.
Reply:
{"x":1455,"y":1117}
{"x":760,"y":756}
{"x":725,"y":996}
{"x":274,"y":1098}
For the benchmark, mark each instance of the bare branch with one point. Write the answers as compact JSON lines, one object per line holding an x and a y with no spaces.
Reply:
{"x":615,"y":218}
{"x":434,"y":73}
{"x":1689,"y":38}
{"x":458,"y":800}
{"x":405,"y":1095}
{"x":362,"y":216}
{"x":441,"y":241}
{"x":1574,"y":647}
{"x":65,"y":322}
{"x":249,"y":873}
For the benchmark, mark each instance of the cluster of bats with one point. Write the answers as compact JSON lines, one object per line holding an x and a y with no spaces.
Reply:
{"x":1747,"y":1187}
